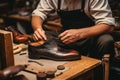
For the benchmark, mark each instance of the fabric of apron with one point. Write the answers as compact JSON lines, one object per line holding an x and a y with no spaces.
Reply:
{"x":75,"y":18}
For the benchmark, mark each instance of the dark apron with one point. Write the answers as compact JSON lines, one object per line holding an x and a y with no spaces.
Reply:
{"x":76,"y":19}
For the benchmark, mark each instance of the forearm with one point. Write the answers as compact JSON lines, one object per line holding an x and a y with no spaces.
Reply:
{"x":36,"y":22}
{"x":95,"y":30}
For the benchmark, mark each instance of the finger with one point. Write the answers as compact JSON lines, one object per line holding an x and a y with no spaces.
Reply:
{"x":65,"y":40}
{"x":68,"y":40}
{"x":43,"y":35}
{"x":62,"y":34}
{"x":35,"y":37}
{"x":38,"y":35}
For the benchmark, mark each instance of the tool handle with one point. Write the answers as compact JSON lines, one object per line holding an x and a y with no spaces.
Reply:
{"x":11,"y":71}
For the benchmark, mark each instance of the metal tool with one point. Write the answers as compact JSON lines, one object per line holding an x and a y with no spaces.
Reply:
{"x":36,"y":62}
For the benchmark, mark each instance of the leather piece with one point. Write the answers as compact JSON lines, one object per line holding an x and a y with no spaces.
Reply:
{"x":35,"y":43}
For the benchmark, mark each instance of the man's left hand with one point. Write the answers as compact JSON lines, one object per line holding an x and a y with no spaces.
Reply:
{"x":70,"y":36}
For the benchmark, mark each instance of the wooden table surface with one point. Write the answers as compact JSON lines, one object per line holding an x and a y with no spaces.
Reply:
{"x":78,"y":67}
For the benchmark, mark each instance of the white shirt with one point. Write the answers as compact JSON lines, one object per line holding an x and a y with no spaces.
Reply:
{"x":98,"y":10}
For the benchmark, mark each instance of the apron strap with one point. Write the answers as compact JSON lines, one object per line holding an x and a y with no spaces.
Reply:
{"x":83,"y":5}
{"x":59,"y":5}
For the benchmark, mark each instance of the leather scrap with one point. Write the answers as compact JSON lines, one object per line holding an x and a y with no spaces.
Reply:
{"x":37,"y":43}
{"x":19,"y":47}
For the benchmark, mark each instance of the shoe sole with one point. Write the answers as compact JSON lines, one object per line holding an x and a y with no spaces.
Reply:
{"x":50,"y":58}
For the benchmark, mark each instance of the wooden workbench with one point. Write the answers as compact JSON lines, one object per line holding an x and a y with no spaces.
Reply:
{"x":77,"y":68}
{"x":84,"y":69}
{"x":80,"y":68}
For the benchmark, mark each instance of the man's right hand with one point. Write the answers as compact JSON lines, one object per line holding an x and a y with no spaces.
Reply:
{"x":39,"y":34}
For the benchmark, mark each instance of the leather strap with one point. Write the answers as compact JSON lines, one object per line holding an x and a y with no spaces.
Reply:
{"x":83,"y":5}
{"x":59,"y":5}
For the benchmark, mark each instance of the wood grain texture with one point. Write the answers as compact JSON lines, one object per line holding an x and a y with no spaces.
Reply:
{"x":78,"y":68}
{"x":6,"y":49}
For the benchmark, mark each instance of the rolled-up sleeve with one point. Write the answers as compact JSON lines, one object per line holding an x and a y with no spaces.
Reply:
{"x":43,"y":9}
{"x":101,"y":12}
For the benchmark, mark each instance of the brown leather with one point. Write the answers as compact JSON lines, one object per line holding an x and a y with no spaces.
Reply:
{"x":18,"y":37}
{"x":35,"y":43}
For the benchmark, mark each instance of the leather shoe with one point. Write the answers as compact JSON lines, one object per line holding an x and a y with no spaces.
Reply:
{"x":50,"y":50}
{"x":18,"y":37}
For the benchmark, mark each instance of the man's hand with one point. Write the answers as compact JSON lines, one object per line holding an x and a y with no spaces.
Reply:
{"x":70,"y":36}
{"x":39,"y":34}
{"x":73,"y":35}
